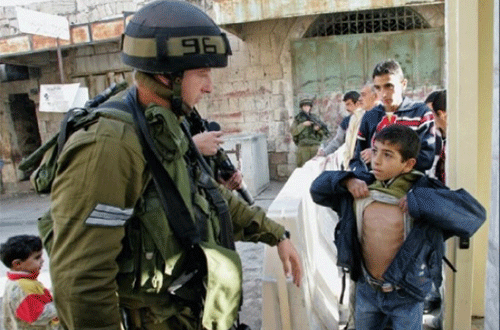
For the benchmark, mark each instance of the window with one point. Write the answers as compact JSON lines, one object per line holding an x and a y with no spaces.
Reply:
{"x":366,"y":21}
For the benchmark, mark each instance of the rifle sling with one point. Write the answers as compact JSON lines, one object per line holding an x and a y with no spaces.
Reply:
{"x":183,"y":227}
{"x":226,"y":234}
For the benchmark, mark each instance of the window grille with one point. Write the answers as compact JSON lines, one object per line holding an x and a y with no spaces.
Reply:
{"x":367,"y":21}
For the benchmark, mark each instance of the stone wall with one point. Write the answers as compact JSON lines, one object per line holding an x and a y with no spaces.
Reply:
{"x":223,"y":11}
{"x":253,"y":94}
{"x":76,"y":11}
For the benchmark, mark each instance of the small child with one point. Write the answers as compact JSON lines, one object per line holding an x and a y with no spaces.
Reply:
{"x":390,"y":237}
{"x":26,"y":304}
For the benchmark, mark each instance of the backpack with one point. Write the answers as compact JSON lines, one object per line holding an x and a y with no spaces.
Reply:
{"x":46,"y":155}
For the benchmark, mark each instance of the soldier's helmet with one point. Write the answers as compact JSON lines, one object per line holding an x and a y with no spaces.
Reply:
{"x":306,"y":101}
{"x":171,"y":36}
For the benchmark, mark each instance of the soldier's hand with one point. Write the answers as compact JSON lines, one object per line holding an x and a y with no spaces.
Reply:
{"x":208,"y":142}
{"x":307,"y":123}
{"x":316,"y":127}
{"x":366,"y":155}
{"x":357,"y":188}
{"x":291,"y":261}
{"x":234,"y":182}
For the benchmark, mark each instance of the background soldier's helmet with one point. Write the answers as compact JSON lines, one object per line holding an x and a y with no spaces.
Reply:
{"x":171,"y":36}
{"x":307,"y":101}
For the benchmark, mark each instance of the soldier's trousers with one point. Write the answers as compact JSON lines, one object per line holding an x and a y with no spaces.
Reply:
{"x":304,"y":153}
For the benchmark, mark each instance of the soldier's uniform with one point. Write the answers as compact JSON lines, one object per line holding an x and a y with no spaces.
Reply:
{"x":306,"y":138}
{"x":113,"y":254}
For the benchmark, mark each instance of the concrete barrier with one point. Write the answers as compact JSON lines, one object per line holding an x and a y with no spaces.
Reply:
{"x":316,"y":304}
{"x":248,"y":153}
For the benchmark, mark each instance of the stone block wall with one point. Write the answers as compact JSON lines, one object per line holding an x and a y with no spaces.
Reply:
{"x":255,"y":93}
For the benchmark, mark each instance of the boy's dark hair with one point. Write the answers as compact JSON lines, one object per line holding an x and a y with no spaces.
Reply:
{"x":406,"y":140}
{"x":439,"y":102}
{"x":351,"y":95}
{"x":430,"y":98}
{"x":19,"y":247}
{"x":388,"y":67}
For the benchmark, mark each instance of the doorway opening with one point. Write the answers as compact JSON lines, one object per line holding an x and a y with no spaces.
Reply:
{"x":23,"y":114}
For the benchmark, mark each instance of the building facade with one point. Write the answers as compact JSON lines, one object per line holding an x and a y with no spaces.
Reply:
{"x":281,"y":52}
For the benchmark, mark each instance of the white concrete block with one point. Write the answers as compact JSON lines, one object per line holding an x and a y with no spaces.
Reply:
{"x":249,"y":154}
{"x":315,"y":305}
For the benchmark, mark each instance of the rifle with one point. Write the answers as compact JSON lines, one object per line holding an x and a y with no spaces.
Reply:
{"x":222,"y":162}
{"x":317,"y":122}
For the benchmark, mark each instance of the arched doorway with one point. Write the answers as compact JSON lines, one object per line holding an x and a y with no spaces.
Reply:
{"x":339,"y":50}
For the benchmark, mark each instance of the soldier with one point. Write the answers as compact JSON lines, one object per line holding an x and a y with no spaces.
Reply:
{"x":116,"y":258}
{"x":308,"y":131}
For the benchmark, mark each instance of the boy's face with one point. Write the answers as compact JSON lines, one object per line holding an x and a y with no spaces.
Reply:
{"x":31,"y":265}
{"x":440,"y":120}
{"x":390,"y":88}
{"x":387,"y":162}
{"x":350,"y":106}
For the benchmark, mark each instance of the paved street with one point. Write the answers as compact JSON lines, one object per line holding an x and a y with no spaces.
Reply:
{"x":18,"y":215}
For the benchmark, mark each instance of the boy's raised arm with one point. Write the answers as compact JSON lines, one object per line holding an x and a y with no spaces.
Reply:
{"x":327,"y":188}
{"x":454,"y":211}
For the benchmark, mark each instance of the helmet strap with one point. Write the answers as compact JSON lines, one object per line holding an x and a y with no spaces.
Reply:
{"x":173,"y":94}
{"x":176,"y":99}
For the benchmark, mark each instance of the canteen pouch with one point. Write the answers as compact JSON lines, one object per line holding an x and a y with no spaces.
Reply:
{"x":43,"y":176}
{"x":224,"y":283}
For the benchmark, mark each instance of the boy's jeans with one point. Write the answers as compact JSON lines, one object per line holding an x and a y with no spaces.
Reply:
{"x":374,"y":308}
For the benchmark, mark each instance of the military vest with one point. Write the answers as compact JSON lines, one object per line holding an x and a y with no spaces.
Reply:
{"x":153,"y":267}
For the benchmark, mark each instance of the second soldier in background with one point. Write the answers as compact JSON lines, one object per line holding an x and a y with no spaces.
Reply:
{"x":308,"y":131}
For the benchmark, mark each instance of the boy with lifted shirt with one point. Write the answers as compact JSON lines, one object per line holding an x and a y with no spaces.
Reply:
{"x":392,"y":228}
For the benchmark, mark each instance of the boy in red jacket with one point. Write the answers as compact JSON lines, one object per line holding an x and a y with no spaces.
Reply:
{"x":26,"y":303}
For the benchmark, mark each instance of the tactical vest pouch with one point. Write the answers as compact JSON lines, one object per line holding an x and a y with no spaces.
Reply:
{"x":224,"y":282}
{"x":207,"y":278}
{"x":46,"y":155}
{"x":150,"y":250}
{"x":42,"y":177}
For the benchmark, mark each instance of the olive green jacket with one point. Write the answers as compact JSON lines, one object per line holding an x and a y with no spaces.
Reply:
{"x":98,"y":261}
{"x":306,"y":135}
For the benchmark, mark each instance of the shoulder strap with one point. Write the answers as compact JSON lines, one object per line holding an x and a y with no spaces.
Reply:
{"x":179,"y":217}
{"x":227,"y":235}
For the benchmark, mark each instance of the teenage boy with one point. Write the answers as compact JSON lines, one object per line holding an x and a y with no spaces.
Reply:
{"x":26,"y":304}
{"x":390,"y":234}
{"x":430,"y":98}
{"x":352,"y":105}
{"x":390,"y":84}
{"x":308,"y":131}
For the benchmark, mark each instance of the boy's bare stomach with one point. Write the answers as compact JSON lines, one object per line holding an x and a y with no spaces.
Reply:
{"x":381,"y":237}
